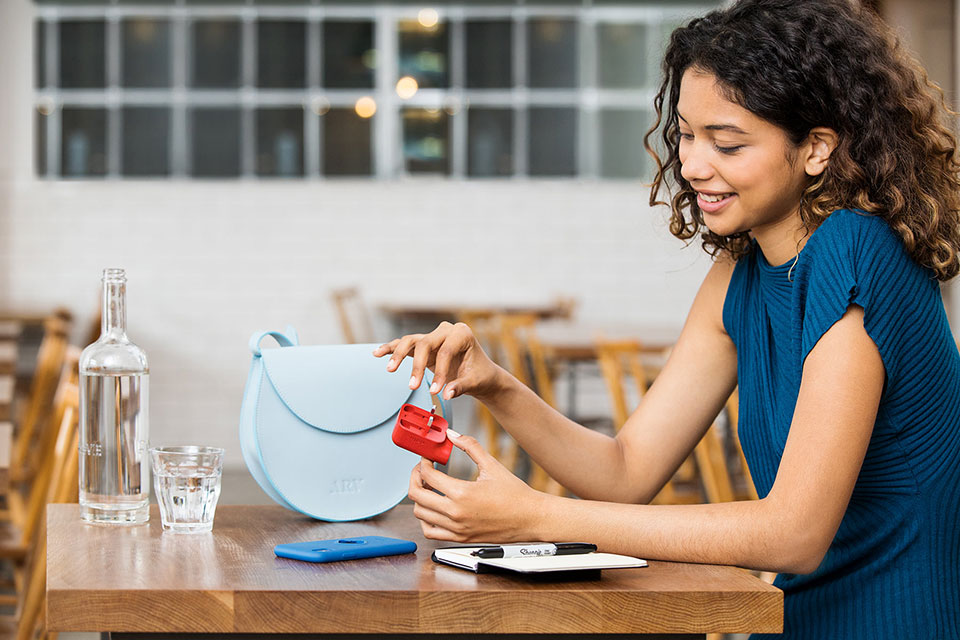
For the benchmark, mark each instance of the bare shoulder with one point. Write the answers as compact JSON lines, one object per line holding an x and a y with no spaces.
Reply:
{"x":708,"y":305}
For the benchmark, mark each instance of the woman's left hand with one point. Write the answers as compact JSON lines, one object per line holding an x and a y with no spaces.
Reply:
{"x":496,"y":507}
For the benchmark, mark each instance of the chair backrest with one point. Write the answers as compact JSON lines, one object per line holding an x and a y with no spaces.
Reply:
{"x":618,"y":359}
{"x":482,"y":326}
{"x":527,"y":359}
{"x":712,"y":463}
{"x":43,"y":386}
{"x":622,"y":358}
{"x":733,"y":419}
{"x":353,"y":315}
{"x":525,"y":356}
{"x":62,"y":486}
{"x":52,"y":457}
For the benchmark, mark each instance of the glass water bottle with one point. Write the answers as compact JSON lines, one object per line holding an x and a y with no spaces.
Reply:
{"x":114,"y":427}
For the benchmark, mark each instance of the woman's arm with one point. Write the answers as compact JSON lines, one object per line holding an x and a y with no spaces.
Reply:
{"x":789,"y":530}
{"x":675,"y":413}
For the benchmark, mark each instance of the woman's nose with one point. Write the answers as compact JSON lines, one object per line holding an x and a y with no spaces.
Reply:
{"x":694,"y":166}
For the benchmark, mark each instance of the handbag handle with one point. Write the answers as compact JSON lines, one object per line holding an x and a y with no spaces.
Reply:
{"x":288,"y":339}
{"x":444,"y":405}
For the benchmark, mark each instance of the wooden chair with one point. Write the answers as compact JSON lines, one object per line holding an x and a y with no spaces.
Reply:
{"x":749,"y":490}
{"x":353,"y":315}
{"x":62,"y":487}
{"x":624,"y":358}
{"x":483,"y":329}
{"x":50,"y":359}
{"x":620,"y":360}
{"x":527,"y":360}
{"x":18,"y":537}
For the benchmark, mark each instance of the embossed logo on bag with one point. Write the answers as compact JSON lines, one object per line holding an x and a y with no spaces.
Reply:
{"x":347,"y":485}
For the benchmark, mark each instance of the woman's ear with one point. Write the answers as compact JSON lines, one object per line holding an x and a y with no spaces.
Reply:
{"x":820,"y":144}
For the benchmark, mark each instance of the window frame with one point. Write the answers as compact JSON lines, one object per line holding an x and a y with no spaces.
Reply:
{"x":386,"y":125}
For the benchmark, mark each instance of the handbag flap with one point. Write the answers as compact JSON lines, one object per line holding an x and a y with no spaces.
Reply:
{"x":339,"y":388}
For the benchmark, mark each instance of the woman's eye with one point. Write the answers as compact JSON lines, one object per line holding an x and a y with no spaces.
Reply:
{"x":728,"y":150}
{"x":686,"y":136}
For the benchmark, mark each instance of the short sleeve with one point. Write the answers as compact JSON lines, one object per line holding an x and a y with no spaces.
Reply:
{"x":856,"y":258}
{"x":734,"y":301}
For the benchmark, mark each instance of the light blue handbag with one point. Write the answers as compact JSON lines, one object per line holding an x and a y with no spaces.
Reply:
{"x":316,"y":422}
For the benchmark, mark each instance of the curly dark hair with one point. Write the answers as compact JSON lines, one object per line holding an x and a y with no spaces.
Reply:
{"x":801,"y":64}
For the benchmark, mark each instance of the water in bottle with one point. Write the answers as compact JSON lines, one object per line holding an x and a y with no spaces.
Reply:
{"x":114,"y":424}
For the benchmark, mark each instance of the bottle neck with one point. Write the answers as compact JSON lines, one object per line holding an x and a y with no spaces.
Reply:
{"x":114,"y":317}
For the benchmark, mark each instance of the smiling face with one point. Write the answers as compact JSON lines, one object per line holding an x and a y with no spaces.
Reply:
{"x":747,"y":173}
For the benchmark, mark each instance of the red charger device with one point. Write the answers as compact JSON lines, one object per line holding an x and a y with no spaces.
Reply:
{"x":422,"y":432}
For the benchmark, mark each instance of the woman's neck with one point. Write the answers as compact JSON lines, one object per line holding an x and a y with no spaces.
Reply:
{"x":782,"y":239}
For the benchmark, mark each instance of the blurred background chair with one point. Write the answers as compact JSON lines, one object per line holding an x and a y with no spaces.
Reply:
{"x":526,"y":359}
{"x":353,"y":315}
{"x":707,"y":474}
{"x":43,"y":468}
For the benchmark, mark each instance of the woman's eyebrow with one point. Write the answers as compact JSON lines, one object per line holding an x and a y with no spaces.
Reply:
{"x":718,"y":127}
{"x":725,"y":127}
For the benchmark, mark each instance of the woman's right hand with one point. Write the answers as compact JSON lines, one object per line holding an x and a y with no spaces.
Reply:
{"x":452,"y":352}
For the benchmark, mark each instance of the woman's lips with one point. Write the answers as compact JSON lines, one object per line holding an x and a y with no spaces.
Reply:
{"x":713,"y":207}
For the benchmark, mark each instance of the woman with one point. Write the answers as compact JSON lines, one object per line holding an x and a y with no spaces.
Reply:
{"x":810,"y":157}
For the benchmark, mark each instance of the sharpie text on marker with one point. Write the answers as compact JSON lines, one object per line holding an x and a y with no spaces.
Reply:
{"x":535,"y":550}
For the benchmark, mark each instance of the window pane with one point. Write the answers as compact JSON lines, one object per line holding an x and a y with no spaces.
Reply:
{"x":40,"y":142}
{"x":82,"y":57}
{"x":216,"y":142}
{"x":280,"y":142}
{"x":281,"y":54}
{"x":84,"y":142}
{"x":553,"y":135}
{"x":146,"y":53}
{"x":490,"y":142}
{"x":621,"y":143}
{"x":489,"y":54}
{"x":216,"y":54}
{"x":426,"y":141}
{"x":40,"y":48}
{"x":621,"y":60}
{"x":423,"y":53}
{"x":348,"y":55}
{"x":346,"y":144}
{"x":146,"y":141}
{"x":553,"y":53}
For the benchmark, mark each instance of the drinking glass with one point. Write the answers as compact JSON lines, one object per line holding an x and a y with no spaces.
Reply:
{"x":187,"y":483}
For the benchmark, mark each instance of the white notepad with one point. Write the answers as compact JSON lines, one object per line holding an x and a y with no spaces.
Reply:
{"x":462,"y":557}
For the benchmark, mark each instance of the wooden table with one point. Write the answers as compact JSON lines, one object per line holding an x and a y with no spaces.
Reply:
{"x":573,"y":345}
{"x":577,"y":341}
{"x":137,"y":579}
{"x":419,"y":316}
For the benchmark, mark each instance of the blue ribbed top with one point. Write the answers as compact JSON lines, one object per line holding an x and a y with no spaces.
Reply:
{"x":893,"y":569}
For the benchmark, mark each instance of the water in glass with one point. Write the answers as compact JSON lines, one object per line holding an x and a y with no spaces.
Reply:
{"x":187,"y":483}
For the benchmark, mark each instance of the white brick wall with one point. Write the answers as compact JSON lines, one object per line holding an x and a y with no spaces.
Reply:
{"x":210,"y":263}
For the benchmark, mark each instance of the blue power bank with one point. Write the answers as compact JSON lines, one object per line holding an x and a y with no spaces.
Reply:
{"x":339,"y":549}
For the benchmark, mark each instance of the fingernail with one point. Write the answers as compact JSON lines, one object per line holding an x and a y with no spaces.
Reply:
{"x":453,"y":435}
{"x":434,"y":387}
{"x":413,"y":382}
{"x":449,"y":393}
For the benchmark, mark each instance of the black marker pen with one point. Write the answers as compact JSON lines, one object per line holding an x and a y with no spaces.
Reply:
{"x":533,"y":550}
